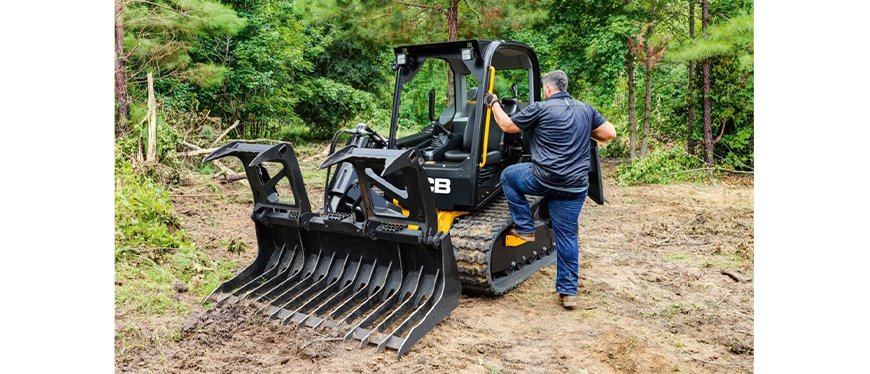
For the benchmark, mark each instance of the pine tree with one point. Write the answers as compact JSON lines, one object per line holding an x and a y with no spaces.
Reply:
{"x":690,"y":116}
{"x":159,"y":35}
{"x":708,"y":103}
{"x":120,"y":71}
{"x":731,"y":37}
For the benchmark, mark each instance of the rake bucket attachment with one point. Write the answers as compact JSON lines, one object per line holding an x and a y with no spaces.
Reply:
{"x":386,"y":280}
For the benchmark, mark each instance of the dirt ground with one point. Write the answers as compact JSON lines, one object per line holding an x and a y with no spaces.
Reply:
{"x":666,"y":286}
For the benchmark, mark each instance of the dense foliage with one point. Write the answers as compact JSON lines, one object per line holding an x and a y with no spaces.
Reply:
{"x":287,"y":68}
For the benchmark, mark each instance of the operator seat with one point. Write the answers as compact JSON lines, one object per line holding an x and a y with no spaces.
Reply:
{"x":460,"y":123}
{"x":471,"y":100}
{"x":493,"y":155}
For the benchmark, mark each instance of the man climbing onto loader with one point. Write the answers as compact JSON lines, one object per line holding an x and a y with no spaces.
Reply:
{"x":560,"y":128}
{"x":409,"y":222}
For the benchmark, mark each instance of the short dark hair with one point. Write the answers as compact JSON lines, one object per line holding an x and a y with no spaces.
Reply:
{"x":557,"y":79}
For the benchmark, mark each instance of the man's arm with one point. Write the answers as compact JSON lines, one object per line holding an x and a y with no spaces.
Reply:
{"x":604,"y":133}
{"x":501,"y":118}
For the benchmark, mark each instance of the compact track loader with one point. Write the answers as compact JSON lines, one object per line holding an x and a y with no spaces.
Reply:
{"x":407,"y":223}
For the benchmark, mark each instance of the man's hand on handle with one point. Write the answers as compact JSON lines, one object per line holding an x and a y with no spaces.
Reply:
{"x":490,"y":99}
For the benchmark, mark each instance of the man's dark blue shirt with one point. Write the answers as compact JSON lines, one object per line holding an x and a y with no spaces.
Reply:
{"x":561,"y":130}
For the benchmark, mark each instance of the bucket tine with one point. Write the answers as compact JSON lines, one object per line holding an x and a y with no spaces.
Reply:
{"x":360,"y":298}
{"x":308,"y":276}
{"x":323,"y":282}
{"x":334,"y":289}
{"x":362,"y":274}
{"x":423,"y":301}
{"x":398,"y":305}
{"x":271,"y":269}
{"x":306,"y":266}
{"x":319,"y":273}
{"x":394,"y":298}
{"x":283,"y":270}
{"x":379,"y":294}
{"x":296,"y":267}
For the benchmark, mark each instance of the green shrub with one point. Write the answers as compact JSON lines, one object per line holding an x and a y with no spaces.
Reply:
{"x":143,"y":212}
{"x":660,"y":167}
{"x":168,"y":139}
{"x":326,"y":106}
{"x":614,"y":149}
{"x":152,"y":252}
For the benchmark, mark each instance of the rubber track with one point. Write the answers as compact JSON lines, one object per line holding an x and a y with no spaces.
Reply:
{"x":473,"y":237}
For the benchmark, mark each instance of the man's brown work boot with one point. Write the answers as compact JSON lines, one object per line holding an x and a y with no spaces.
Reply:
{"x":568,"y":301}
{"x":530,"y":237}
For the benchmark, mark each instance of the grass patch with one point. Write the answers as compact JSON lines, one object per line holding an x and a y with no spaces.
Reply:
{"x":678,"y":257}
{"x":490,"y":367}
{"x":729,"y":260}
{"x":154,"y":263}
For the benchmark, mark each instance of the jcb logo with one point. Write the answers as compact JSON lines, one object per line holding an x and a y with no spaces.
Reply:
{"x":439,"y":185}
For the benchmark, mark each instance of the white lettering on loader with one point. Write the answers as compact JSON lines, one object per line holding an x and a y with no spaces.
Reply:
{"x":439,"y":185}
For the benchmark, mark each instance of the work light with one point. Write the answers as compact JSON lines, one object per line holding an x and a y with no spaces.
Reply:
{"x":467,"y":54}
{"x":401,"y":58}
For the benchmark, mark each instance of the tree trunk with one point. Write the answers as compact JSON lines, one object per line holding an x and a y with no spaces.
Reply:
{"x":151,"y":155}
{"x":708,"y":114}
{"x":690,"y":144}
{"x":632,"y":121}
{"x":644,"y":148}
{"x":708,"y":102}
{"x":452,"y":35}
{"x":120,"y":65}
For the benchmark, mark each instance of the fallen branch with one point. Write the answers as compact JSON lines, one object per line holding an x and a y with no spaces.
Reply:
{"x":718,"y":363}
{"x":190,"y":145}
{"x":229,"y":178}
{"x":207,"y":194}
{"x":738,"y":171}
{"x":727,"y":293}
{"x":715,"y":168}
{"x":689,"y":171}
{"x":227,"y":131}
{"x":318,"y":340}
{"x":743,"y":332}
{"x":259,"y":140}
{"x":698,"y":217}
{"x":220,"y":165}
{"x":198,"y":152}
{"x":733,"y":276}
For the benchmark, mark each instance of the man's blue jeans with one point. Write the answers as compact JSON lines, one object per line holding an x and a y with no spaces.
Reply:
{"x":517,"y":181}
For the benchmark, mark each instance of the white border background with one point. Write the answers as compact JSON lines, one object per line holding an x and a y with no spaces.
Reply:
{"x":56,"y":148}
{"x":811,"y":184}
{"x":811,"y":193}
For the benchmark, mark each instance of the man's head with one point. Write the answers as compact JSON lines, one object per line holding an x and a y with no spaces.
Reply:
{"x":555,"y":81}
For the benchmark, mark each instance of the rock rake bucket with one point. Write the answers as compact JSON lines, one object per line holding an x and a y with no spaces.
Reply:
{"x":385,"y":280}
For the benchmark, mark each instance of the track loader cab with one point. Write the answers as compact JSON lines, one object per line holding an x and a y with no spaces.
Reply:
{"x":465,"y":151}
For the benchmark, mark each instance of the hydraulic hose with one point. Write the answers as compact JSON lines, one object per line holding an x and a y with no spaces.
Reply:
{"x":358,"y":131}
{"x":329,"y":169}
